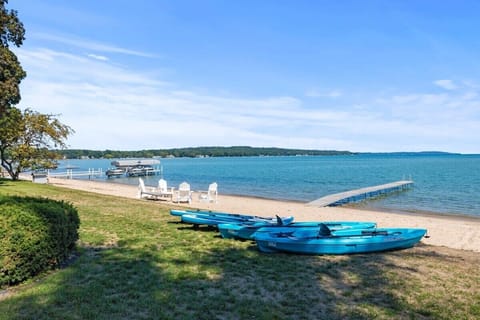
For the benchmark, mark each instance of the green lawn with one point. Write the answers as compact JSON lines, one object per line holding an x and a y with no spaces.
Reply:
{"x":135,"y":261}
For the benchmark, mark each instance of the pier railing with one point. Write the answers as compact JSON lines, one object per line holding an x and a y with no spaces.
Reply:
{"x":93,"y":173}
{"x":70,"y":174}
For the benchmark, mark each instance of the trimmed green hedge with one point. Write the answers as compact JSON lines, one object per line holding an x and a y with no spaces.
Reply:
{"x":36,"y":234}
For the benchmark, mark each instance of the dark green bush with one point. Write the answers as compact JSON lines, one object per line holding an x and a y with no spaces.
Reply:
{"x":36,"y":234}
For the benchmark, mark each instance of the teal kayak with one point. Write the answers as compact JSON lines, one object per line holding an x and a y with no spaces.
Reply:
{"x":248,"y":231}
{"x":179,"y":213}
{"x":346,"y":241}
{"x":214,"y":219}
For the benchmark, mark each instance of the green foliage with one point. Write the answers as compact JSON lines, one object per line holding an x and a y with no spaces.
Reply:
{"x":26,"y":139}
{"x":236,"y":151}
{"x":36,"y":234}
{"x":11,"y":72}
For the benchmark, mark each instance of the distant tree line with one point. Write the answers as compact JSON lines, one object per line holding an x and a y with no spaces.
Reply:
{"x":238,"y":151}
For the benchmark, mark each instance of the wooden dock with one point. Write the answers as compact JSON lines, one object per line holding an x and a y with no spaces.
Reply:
{"x":339,"y":199}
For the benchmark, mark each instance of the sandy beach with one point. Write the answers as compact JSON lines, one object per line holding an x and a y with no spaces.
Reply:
{"x":450,"y":231}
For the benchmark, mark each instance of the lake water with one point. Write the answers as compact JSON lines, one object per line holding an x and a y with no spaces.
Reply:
{"x":448,"y":184}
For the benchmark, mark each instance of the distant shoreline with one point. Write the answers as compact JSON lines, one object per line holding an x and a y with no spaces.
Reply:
{"x":196,"y":152}
{"x":235,"y":151}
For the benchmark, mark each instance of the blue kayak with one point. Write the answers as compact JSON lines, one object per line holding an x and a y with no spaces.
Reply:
{"x":347,"y":241}
{"x":214,"y":219}
{"x":180,"y":213}
{"x":248,"y":231}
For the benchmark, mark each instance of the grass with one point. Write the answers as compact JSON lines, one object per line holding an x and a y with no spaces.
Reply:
{"x":135,"y":261}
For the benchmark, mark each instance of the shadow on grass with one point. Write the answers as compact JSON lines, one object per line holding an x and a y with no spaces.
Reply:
{"x":227,"y":280}
{"x":4,"y":182}
{"x":199,"y":228}
{"x":113,"y":283}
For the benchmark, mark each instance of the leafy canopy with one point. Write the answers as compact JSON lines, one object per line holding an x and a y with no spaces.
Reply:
{"x":27,"y":139}
{"x":11,"y":72}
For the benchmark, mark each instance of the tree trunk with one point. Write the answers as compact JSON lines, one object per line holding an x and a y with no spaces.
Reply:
{"x":8,"y":166}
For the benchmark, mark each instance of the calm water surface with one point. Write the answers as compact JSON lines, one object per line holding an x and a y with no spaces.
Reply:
{"x":447,"y":184}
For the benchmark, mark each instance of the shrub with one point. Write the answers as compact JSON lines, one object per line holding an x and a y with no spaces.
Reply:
{"x":36,"y":234}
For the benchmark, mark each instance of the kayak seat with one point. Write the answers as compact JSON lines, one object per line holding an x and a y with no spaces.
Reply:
{"x":284,"y":221}
{"x":324,"y":231}
{"x":279,"y":221}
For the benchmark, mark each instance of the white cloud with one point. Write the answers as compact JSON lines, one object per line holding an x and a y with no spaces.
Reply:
{"x":422,"y":121}
{"x":89,"y":45}
{"x":446,"y":84}
{"x":316,"y":93}
{"x":423,"y":99}
{"x":112,"y":107}
{"x":102,"y":100}
{"x":98,"y":57}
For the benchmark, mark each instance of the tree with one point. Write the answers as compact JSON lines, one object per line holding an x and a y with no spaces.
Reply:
{"x":11,"y":72}
{"x":25,"y":137}
{"x":26,"y":140}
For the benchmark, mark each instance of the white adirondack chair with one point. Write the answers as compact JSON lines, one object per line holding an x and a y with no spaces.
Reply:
{"x":211,"y":195}
{"x":164,"y":190}
{"x":146,"y":192}
{"x":184,"y":194}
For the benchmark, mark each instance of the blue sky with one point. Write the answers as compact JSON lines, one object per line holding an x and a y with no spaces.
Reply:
{"x":374,"y":76}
